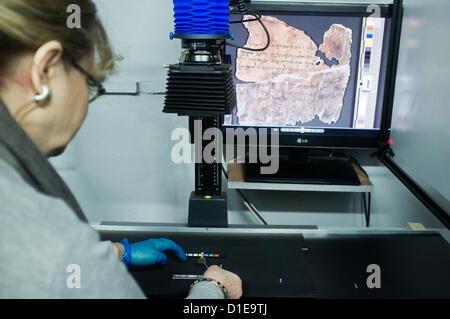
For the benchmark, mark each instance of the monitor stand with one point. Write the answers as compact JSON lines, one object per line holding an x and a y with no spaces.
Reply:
{"x":305,"y":166}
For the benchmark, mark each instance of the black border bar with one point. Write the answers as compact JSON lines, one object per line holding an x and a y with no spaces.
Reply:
{"x":325,"y":8}
{"x":391,"y":73}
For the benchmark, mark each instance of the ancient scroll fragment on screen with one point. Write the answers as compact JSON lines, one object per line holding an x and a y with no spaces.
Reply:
{"x":289,"y":83}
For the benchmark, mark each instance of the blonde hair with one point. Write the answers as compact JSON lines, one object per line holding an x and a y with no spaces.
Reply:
{"x":25,"y":25}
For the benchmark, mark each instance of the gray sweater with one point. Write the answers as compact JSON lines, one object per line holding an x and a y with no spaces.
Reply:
{"x":47,"y":249}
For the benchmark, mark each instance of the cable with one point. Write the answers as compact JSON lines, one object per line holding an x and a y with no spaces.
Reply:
{"x":247,"y":203}
{"x":252,"y":208}
{"x":257,"y":18}
{"x":241,"y":6}
{"x":256,"y":13}
{"x":354,"y":161}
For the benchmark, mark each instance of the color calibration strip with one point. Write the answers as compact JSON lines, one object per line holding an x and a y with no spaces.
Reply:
{"x":361,"y":122}
{"x":368,"y":46}
{"x":207,"y":255}
{"x":369,"y":42}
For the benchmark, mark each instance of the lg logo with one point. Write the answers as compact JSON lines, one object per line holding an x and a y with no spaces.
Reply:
{"x":302,"y":141}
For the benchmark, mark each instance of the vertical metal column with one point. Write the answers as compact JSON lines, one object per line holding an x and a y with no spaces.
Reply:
{"x":207,"y":204}
{"x":208,"y":176}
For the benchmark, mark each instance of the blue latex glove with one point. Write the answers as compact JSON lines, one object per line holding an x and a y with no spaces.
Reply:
{"x":150,"y":252}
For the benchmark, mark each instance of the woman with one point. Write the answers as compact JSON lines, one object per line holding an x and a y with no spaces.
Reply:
{"x":48,"y":74}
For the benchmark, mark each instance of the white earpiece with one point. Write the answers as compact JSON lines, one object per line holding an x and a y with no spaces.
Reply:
{"x":44,"y":97}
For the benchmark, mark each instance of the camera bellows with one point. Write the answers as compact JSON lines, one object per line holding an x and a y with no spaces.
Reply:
{"x":202,"y":17}
{"x":200,"y":90}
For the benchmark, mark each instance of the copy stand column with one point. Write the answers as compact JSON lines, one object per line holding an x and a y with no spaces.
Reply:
{"x":207,"y":204}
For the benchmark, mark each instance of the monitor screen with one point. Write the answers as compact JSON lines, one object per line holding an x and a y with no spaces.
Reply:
{"x":321,"y":80}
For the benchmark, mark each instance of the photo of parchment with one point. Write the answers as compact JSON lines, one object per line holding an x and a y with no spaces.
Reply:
{"x":289,"y":83}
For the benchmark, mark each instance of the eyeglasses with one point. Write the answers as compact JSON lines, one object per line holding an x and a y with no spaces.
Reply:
{"x":96,"y":89}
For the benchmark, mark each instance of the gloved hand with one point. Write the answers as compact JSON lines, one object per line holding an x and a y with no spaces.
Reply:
{"x":150,"y":252}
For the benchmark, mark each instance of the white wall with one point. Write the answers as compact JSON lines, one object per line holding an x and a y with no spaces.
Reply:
{"x":119,"y":164}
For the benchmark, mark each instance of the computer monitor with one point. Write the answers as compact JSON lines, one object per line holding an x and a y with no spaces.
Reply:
{"x":321,"y":82}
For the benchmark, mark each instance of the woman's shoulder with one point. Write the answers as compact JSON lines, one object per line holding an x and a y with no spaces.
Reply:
{"x":20,"y":202}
